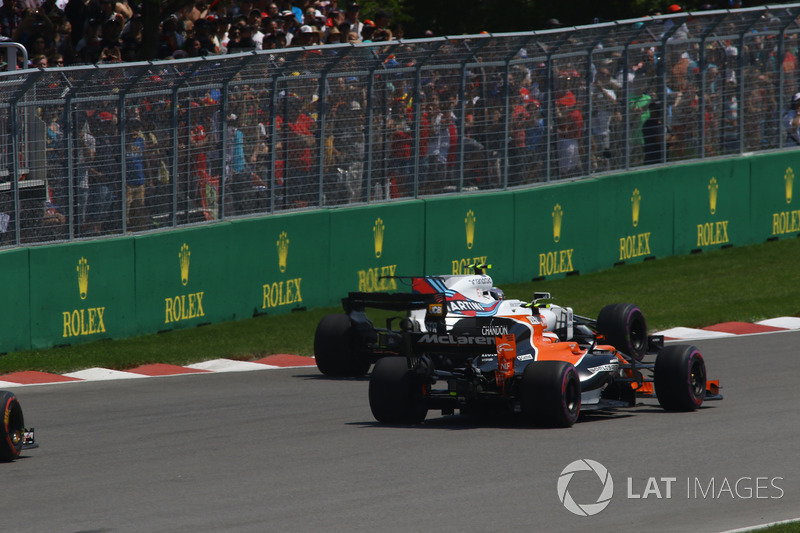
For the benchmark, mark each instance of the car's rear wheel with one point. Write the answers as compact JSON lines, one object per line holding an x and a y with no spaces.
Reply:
{"x":12,"y":430}
{"x":624,"y":327}
{"x":334,"y":348}
{"x":679,"y":377}
{"x":397,"y":395}
{"x":550,"y":394}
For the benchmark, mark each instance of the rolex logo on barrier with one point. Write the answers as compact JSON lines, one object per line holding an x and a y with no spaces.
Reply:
{"x":637,"y":245}
{"x":283,"y":251}
{"x":558,"y":215}
{"x":789,"y":179}
{"x":786,"y":221}
{"x":556,"y":261}
{"x":184,"y":306}
{"x":636,"y":201}
{"x":85,"y":321}
{"x":377,"y":278}
{"x":285,"y":291}
{"x":713,"y":188}
{"x":463,"y":265}
{"x":712,"y":233}
{"x":184,"y":255}
{"x":83,"y":277}
{"x":470,"y":225}
{"x":377,"y":233}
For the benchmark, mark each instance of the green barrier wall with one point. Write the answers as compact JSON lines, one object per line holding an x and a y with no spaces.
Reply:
{"x":775,"y":212}
{"x":636,"y":218}
{"x":370,"y":243}
{"x":85,"y":291}
{"x":280,"y":263}
{"x":712,"y":204}
{"x":15,"y":328}
{"x":183,"y":278}
{"x":557,"y":229}
{"x":475,"y":228}
{"x":82,"y":292}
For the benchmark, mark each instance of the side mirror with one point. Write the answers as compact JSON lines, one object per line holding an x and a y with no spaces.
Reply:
{"x":541,"y":296}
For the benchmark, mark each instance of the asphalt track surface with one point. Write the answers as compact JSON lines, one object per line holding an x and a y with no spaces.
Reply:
{"x":289,"y":450}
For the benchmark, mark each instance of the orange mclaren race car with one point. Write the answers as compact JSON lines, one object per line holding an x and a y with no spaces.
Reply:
{"x":462,"y":345}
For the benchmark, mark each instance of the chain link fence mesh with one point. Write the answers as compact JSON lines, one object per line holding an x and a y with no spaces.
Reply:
{"x":111,"y":149}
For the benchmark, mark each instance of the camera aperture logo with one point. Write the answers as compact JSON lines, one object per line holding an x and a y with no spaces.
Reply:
{"x":606,"y":492}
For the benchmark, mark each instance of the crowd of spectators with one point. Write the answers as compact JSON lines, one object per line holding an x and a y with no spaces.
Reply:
{"x":74,"y":32}
{"x":600,"y":112}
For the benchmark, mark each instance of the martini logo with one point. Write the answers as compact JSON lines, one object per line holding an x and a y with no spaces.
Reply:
{"x":556,"y":261}
{"x":712,"y":233}
{"x":786,"y":221}
{"x":606,"y":487}
{"x":83,"y":277}
{"x":470,"y":226}
{"x":183,"y":257}
{"x":86,"y":321}
{"x":285,"y":291}
{"x":283,"y":251}
{"x":184,"y":306}
{"x":377,"y":232}
{"x":637,"y":245}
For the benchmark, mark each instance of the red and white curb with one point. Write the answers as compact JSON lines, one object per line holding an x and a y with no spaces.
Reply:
{"x":33,"y":377}
{"x":732,"y":329}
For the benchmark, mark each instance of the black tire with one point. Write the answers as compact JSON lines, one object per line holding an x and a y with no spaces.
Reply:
{"x":679,"y":378}
{"x":396,"y":393}
{"x":550,"y":394}
{"x":624,"y":327}
{"x":12,"y":430}
{"x":334,"y":348}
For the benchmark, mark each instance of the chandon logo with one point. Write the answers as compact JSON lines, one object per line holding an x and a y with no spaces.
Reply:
{"x":586,"y":509}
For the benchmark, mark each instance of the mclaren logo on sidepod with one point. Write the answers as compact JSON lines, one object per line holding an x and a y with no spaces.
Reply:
{"x":452,"y":340}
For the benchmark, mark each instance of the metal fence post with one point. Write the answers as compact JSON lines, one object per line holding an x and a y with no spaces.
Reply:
{"x":15,"y":148}
{"x":417,"y":111}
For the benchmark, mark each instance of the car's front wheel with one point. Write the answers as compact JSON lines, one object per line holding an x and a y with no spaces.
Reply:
{"x":624,"y":327}
{"x":679,"y":377}
{"x":12,"y":430}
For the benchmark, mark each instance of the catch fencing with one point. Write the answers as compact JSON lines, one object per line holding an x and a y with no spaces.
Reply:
{"x":108,"y":149}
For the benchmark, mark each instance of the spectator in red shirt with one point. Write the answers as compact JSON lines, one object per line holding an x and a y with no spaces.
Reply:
{"x":297,"y":130}
{"x":569,"y":123}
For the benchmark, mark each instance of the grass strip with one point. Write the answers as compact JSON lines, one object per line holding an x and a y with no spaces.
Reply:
{"x":735,"y":284}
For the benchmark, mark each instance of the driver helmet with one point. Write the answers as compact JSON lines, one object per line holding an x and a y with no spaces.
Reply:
{"x":497,"y":294}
